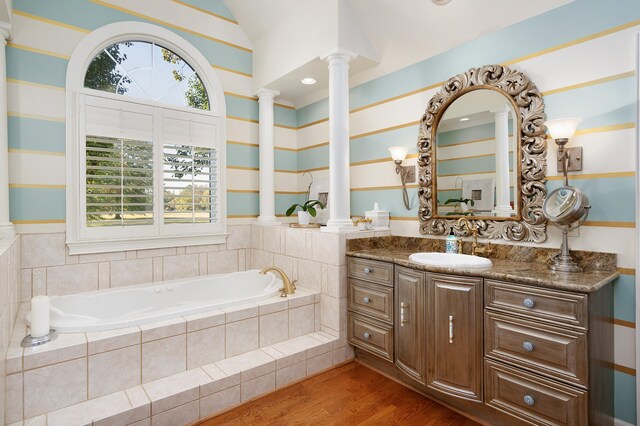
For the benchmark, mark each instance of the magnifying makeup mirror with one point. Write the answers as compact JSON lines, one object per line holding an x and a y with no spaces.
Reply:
{"x":566,"y":207}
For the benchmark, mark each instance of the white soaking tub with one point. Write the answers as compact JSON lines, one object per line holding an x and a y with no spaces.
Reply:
{"x":141,"y":304}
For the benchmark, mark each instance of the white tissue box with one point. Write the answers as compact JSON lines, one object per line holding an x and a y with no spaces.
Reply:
{"x":379,"y":219}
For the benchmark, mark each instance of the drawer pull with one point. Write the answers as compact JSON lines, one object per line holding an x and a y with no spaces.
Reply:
{"x":527,"y":346}
{"x":528,"y":399}
{"x":366,"y":336}
{"x":528,"y":303}
{"x":403,"y":306}
{"x":368,"y":270}
{"x":450,"y":328}
{"x":366,"y":300}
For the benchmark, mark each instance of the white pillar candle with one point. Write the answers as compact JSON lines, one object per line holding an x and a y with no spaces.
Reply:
{"x":39,"y":316}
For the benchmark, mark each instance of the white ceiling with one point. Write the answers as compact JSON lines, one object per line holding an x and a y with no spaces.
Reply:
{"x":402,"y":31}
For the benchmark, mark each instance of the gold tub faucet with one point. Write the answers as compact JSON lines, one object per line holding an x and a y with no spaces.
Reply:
{"x":289,"y":286}
{"x":475,"y":250}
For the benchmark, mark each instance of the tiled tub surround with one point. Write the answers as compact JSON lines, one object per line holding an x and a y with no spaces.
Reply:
{"x":9,"y":302}
{"x":79,"y":367}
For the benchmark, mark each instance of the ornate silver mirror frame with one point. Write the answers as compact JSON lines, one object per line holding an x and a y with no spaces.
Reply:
{"x":528,"y":102}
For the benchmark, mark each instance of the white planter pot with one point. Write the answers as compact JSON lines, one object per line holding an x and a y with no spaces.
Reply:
{"x":303,"y":217}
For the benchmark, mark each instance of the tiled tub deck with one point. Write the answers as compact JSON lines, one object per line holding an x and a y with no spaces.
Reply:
{"x":170,"y":372}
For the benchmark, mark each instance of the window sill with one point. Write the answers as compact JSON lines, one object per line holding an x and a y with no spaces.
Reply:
{"x":104,"y":246}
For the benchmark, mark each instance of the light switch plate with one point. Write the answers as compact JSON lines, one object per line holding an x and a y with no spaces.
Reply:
{"x":575,"y":160}
{"x":411,"y":174}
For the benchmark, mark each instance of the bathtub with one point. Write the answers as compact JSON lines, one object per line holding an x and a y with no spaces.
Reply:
{"x":142,"y":304}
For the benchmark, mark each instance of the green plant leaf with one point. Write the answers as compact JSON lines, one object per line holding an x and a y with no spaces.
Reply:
{"x":292,"y":209}
{"x":311,"y":211}
{"x":453,"y":200}
{"x":313,"y":203}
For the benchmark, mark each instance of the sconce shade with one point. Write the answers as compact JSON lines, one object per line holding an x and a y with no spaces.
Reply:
{"x":398,"y":153}
{"x":562,"y":128}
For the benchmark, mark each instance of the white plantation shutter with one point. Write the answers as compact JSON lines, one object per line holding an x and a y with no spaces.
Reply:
{"x":148,"y":171}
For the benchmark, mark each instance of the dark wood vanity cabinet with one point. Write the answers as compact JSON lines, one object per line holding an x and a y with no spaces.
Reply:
{"x":410,"y":342}
{"x":454,"y":335}
{"x":504,"y":352}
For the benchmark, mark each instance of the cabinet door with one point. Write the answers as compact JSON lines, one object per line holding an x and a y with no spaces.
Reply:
{"x":410,"y":336}
{"x":455,"y":335}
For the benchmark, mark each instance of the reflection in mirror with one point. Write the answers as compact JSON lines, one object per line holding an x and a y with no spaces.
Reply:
{"x":476,"y":151}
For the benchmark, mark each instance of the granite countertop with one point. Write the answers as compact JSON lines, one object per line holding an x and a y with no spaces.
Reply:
{"x":524,"y":270}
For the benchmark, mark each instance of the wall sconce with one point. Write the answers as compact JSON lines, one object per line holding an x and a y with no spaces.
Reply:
{"x":569,"y":159}
{"x":407,"y":173}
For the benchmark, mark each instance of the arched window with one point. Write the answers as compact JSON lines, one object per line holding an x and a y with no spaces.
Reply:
{"x":147,"y":146}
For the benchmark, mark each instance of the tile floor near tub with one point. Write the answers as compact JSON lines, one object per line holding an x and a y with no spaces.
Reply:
{"x":268,"y":344}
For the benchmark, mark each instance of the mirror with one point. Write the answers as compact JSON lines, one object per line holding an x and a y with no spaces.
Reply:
{"x":482,"y":155}
{"x":565,"y":206}
{"x":475,"y":153}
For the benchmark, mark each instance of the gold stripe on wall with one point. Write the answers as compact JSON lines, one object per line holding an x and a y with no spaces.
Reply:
{"x":313,"y":123}
{"x":243,"y":191}
{"x":248,"y":120}
{"x":31,"y":83}
{"x":36,"y":117}
{"x":627,"y":271}
{"x":282,"y":126}
{"x":318,"y":145}
{"x":36,"y":185}
{"x":241,"y":216}
{"x":50,"y":21}
{"x":395,"y":98}
{"x":311,"y":170}
{"x":383,"y":188}
{"x":624,"y":323}
{"x":291,"y":192}
{"x":35,"y":152}
{"x":603,"y":129}
{"x":403,"y":218}
{"x":595,"y":175}
{"x":37,"y":222}
{"x":386,"y":129}
{"x":282,"y":148}
{"x":292,"y":171}
{"x":237,"y":95}
{"x":610,"y":224}
{"x":590,"y":83}
{"x":40,"y":51}
{"x":230,"y":142}
{"x":168,"y":24}
{"x":284,"y":106}
{"x":199,"y":9}
{"x":242,"y":168}
{"x":218,"y":67}
{"x":627,"y":370}
{"x":574,"y":42}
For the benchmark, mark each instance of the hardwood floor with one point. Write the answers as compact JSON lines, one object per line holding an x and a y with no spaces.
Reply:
{"x":349,"y":395}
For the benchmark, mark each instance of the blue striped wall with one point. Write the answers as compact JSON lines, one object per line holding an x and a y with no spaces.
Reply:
{"x":214,"y":6}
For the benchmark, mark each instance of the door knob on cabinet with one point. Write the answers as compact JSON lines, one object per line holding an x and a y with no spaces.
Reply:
{"x":368,"y":270}
{"x":528,"y":303}
{"x":527,"y":346}
{"x":366,"y":300}
{"x":366,"y":336}
{"x":528,"y":399}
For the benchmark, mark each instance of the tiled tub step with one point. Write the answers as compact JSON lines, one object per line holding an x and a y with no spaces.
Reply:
{"x":200,"y":392}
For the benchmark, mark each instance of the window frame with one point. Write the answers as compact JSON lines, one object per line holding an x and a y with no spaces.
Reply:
{"x":77,"y":239}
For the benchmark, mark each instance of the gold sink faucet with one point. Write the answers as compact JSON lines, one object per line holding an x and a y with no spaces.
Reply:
{"x":475,"y":249}
{"x":289,"y":286}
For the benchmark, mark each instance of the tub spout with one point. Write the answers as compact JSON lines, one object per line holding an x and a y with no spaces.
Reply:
{"x":289,"y":286}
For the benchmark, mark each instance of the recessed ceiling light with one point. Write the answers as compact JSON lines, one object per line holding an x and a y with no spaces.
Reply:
{"x":308,"y":80}
{"x":441,"y":2}
{"x":465,"y":119}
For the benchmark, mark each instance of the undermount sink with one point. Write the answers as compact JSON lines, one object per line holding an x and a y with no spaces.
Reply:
{"x":451,"y":260}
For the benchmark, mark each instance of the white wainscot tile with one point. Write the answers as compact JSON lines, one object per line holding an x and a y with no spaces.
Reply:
{"x":296,"y":243}
{"x":101,"y":341}
{"x":329,"y":248}
{"x":333,"y":312}
{"x":114,"y":371}
{"x":14,"y":407}
{"x":219,"y":380}
{"x":182,"y":415}
{"x":250,"y":365}
{"x":176,"y":390}
{"x":309,"y":274}
{"x":164,"y":357}
{"x":301,"y":321}
{"x":56,"y":386}
{"x":258,"y":386}
{"x":290,"y":374}
{"x":134,"y":271}
{"x":239,"y":237}
{"x":209,"y":319}
{"x":336,"y":283}
{"x":319,"y":363}
{"x":110,"y":409}
{"x":43,"y":250}
{"x":163,"y":329}
{"x":241,"y":336}
{"x":205,"y":346}
{"x":184,"y":266}
{"x":272,"y":239}
{"x":222,"y":262}
{"x":274,"y":328}
{"x":66,"y":347}
{"x":72,"y":279}
{"x":261,"y":259}
{"x":219,"y":401}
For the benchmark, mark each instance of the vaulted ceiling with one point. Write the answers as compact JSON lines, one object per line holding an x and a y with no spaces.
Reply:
{"x":399,"y":33}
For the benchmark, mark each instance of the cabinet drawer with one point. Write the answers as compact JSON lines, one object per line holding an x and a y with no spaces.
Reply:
{"x":370,"y":299}
{"x":371,"y":270}
{"x":533,"y":399}
{"x":370,"y":335}
{"x":552,"y":351}
{"x":546,"y":305}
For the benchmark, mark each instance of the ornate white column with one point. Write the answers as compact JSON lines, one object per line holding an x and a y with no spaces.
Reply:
{"x":503,"y":207}
{"x":267,"y":157}
{"x":339,"y":190}
{"x":6,"y":227}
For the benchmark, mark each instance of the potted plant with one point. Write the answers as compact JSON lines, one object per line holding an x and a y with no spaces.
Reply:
{"x":308,"y":210}
{"x":461,"y":206}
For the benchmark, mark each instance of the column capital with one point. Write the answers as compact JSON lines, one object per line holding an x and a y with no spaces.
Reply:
{"x":267,"y":93}
{"x":505,"y":109}
{"x":5,"y":31}
{"x":340,"y":54}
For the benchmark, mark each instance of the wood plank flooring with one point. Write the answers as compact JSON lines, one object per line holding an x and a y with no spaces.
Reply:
{"x":348,"y":395}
